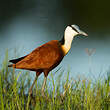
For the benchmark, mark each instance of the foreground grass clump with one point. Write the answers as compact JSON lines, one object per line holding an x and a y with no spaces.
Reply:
{"x":80,"y":94}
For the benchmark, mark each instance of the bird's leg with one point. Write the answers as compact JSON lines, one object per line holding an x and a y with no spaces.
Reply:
{"x":43,"y":86}
{"x":30,"y":89}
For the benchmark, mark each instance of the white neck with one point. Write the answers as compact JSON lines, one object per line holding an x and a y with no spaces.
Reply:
{"x":68,"y":36}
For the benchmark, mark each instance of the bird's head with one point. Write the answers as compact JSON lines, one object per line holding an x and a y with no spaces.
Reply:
{"x":73,"y":30}
{"x":70,"y":32}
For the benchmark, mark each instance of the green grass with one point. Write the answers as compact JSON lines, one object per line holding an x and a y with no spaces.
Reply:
{"x":69,"y":94}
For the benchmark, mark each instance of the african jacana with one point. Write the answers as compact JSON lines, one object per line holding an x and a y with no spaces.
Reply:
{"x":47,"y":56}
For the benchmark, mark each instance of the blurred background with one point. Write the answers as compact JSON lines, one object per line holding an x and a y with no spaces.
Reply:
{"x":26,"y":24}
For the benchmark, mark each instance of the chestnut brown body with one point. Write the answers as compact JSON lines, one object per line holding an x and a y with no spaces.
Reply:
{"x":42,"y":59}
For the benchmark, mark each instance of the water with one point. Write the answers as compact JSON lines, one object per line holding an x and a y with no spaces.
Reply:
{"x":36,"y":25}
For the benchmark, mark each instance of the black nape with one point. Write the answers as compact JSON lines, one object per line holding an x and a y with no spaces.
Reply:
{"x":62,"y":41}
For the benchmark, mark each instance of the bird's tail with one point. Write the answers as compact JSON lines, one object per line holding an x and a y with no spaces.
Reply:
{"x":11,"y":65}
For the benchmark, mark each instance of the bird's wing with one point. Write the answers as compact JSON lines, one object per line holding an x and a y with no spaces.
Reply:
{"x":42,"y":57}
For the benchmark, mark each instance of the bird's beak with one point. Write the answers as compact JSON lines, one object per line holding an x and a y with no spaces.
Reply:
{"x":83,"y":33}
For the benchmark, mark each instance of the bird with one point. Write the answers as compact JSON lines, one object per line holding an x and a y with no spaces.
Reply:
{"x":47,"y":56}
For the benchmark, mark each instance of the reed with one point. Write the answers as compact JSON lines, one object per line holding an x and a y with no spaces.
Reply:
{"x":69,"y":94}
